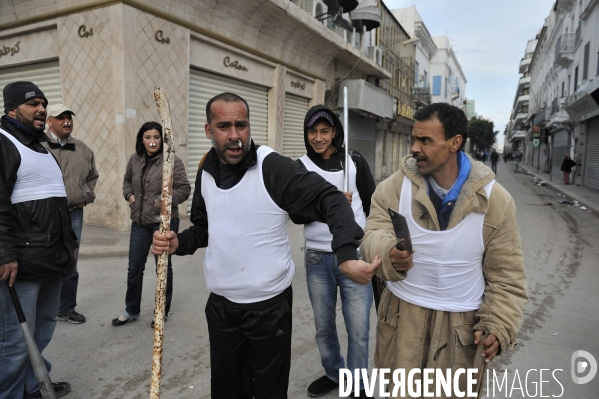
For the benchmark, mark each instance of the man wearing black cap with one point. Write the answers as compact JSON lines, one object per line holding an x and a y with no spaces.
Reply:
{"x":37,"y":243}
{"x":323,"y":137}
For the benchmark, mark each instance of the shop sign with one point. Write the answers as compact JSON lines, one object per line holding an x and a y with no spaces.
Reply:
{"x":83,"y":32}
{"x":159,"y":36}
{"x":234,"y":64}
{"x":10,"y":50}
{"x":536,"y":131}
{"x":298,"y":85}
{"x":405,"y":110}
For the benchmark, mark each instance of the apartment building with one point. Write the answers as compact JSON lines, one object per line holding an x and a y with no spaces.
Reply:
{"x":104,"y":57}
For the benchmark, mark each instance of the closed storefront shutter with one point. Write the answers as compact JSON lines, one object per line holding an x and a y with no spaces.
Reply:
{"x":591,"y":156}
{"x":202,"y":87}
{"x":46,"y":75}
{"x":362,"y":137}
{"x":561,"y":147}
{"x":293,"y":128}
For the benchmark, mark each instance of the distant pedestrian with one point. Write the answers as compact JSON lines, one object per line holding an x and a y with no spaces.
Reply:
{"x":494,"y":159}
{"x":76,"y":161}
{"x":484,"y":156}
{"x":567,"y":166}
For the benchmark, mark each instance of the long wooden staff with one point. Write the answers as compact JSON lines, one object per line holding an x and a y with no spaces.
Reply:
{"x":168,"y":159}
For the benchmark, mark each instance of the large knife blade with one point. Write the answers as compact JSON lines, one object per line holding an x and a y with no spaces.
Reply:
{"x":400,"y":225}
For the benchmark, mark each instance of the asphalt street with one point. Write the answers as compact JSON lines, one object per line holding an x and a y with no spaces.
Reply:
{"x":561,"y":255}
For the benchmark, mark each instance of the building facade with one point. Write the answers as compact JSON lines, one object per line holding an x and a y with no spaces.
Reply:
{"x":563,"y":97}
{"x":104,"y":58}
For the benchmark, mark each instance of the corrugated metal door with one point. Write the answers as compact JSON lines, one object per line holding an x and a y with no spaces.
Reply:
{"x":591,"y":156}
{"x":46,"y":75}
{"x":561,"y":147}
{"x":202,"y":87}
{"x":293,"y":127}
{"x":362,"y":137}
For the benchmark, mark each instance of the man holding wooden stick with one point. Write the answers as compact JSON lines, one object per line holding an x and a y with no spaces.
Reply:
{"x":244,"y":195}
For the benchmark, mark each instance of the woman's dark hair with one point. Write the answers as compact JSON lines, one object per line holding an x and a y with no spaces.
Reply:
{"x":140,"y":149}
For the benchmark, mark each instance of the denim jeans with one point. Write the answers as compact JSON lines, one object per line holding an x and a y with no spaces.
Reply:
{"x":323,"y":277}
{"x":39,"y":299}
{"x":139,"y":246}
{"x":68,"y":292}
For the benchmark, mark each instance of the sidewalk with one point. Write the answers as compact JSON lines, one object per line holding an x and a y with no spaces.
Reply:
{"x":98,"y":242}
{"x":101,"y":242}
{"x":585,"y":196}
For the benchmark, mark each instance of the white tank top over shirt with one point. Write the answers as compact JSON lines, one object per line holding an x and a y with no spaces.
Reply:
{"x":317,"y":234}
{"x":38,"y":177}
{"x":248,"y":258}
{"x":447,"y":274}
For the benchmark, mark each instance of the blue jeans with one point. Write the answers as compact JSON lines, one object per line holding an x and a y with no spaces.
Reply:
{"x":139,"y":246}
{"x":68,"y":292}
{"x":39,"y":299}
{"x":323,"y":277}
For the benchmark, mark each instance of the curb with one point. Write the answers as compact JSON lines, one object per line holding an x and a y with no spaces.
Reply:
{"x":582,"y":201}
{"x":102,"y":251}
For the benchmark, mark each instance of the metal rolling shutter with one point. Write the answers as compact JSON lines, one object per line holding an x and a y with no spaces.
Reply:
{"x":293,"y":127}
{"x":561,"y":147}
{"x":46,"y":75}
{"x":202,"y":87}
{"x":591,"y":157}
{"x":362,"y":137}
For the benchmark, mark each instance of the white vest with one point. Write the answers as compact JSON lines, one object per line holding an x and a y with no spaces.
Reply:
{"x":318,"y":236}
{"x":447,"y":274}
{"x":38,"y":177}
{"x":248,"y":258}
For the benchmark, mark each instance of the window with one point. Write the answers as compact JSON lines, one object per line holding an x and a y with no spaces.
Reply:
{"x":585,"y":66}
{"x":575,"y":79}
{"x":445,"y":87}
{"x":416,"y":74}
{"x":563,"y":88}
{"x":426,"y":76}
{"x":436,"y":85}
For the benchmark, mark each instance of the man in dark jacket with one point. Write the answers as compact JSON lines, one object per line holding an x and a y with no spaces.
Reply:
{"x":494,"y":160}
{"x":244,"y":195}
{"x":37,"y":243}
{"x":325,"y":155}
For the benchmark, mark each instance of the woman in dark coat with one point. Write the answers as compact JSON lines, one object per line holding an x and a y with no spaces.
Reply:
{"x":567,"y":168}
{"x":142,"y":188}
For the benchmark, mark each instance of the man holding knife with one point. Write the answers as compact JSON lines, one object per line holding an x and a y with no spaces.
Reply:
{"x":468,"y":274}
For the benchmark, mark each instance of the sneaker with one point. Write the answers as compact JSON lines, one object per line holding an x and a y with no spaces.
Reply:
{"x":321,"y":386}
{"x":73,"y":317}
{"x":60,"y":390}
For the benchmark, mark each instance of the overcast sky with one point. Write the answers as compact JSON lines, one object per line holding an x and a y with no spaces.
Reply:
{"x":489,"y":38}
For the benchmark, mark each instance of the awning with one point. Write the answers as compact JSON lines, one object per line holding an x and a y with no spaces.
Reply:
{"x":362,"y":96}
{"x":367,"y":14}
{"x":584,"y":103}
{"x":518,"y":135}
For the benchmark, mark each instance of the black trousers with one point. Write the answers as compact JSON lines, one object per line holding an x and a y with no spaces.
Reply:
{"x":250,"y":347}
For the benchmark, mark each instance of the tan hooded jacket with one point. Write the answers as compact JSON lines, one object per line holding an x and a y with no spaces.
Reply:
{"x":506,"y":290}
